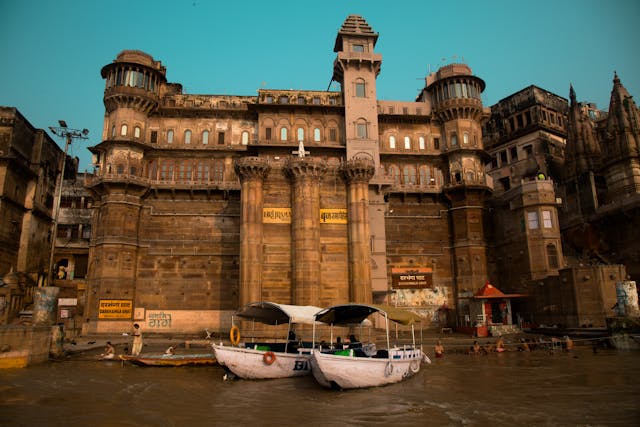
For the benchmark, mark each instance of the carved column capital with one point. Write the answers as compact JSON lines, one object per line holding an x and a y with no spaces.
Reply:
{"x":358,"y":170}
{"x":252,"y":168}
{"x":307,"y":167}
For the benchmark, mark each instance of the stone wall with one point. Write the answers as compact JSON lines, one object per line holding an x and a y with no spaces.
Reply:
{"x":21,"y":346}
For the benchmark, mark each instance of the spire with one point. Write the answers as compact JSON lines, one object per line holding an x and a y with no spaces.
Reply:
{"x":354,"y":25}
{"x":623,"y":130}
{"x":582,"y":153}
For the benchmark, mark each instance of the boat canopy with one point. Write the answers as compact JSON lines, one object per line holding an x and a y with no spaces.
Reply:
{"x":356,"y":313}
{"x":272,"y":313}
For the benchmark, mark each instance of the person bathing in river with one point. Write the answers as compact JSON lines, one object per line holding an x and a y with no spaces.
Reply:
{"x":109,"y":351}
{"x":475,"y":348}
{"x":500,"y":345}
{"x":439,"y":350}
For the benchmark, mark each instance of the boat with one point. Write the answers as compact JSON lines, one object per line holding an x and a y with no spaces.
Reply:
{"x":361,"y":366}
{"x":170,"y":359}
{"x":268,"y":360}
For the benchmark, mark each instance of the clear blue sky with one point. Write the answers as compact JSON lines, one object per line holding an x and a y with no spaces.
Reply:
{"x":52,"y":51}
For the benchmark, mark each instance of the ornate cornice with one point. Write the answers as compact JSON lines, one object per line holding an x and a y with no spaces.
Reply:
{"x":307,"y":167}
{"x":252,"y":167}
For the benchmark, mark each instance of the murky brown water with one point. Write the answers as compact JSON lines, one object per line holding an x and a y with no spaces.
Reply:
{"x":507,"y":389}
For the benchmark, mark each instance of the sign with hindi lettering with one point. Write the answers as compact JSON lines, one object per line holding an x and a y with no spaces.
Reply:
{"x":276,"y":215}
{"x":411,"y":278}
{"x":115,"y":309}
{"x":333,"y":216}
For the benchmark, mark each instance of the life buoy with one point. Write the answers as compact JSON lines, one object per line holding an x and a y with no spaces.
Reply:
{"x":234,"y":335}
{"x":269,"y":357}
{"x":414,"y":366}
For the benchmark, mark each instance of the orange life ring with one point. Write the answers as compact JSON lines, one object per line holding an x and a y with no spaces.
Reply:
{"x":269,"y":357}
{"x":234,"y":335}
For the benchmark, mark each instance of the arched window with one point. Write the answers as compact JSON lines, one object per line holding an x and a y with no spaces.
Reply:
{"x":421,"y":143}
{"x":123,"y":130}
{"x":245,"y":138}
{"x":316,"y":135}
{"x":454,"y":139}
{"x":407,"y":143}
{"x":425,"y":176}
{"x":394,"y":172}
{"x":465,"y":138}
{"x":552,"y":255}
{"x":187,"y":136}
{"x":392,"y":142}
{"x":283,"y":134}
{"x":360,"y":88}
{"x":205,"y":137}
{"x":300,"y":134}
{"x":409,"y":175}
{"x":170,"y":137}
{"x":361,"y":129}
{"x":113,"y":131}
{"x":136,"y":132}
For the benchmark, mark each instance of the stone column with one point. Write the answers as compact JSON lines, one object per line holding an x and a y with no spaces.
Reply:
{"x":306,"y":174}
{"x":358,"y":173}
{"x":252,"y":171}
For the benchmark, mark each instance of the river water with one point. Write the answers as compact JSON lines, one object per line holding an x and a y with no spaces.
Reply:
{"x":509,"y":389}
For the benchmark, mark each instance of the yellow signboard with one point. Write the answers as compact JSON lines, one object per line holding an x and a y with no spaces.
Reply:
{"x":333,"y":216}
{"x":115,"y":309}
{"x":276,"y":215}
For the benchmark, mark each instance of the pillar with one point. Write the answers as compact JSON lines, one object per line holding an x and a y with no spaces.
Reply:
{"x":252,"y":171}
{"x":306,"y":174}
{"x":358,"y":173}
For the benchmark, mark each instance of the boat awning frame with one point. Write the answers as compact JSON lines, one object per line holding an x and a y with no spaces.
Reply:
{"x":346,"y":314}
{"x":271,"y":313}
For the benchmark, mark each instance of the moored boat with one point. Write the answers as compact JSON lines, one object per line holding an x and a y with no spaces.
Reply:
{"x":363,"y":365}
{"x":272,"y":359}
{"x":170,"y":359}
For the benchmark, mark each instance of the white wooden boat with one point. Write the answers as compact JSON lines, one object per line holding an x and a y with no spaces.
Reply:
{"x":365,"y":366}
{"x":268,"y":360}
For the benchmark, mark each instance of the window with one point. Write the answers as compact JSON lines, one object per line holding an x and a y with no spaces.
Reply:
{"x":245,"y":138}
{"x":316,"y":135}
{"x":407,"y":143}
{"x":333,"y":134}
{"x":528,"y":149}
{"x":113,"y":131}
{"x":465,"y":138}
{"x":187,"y":137}
{"x":503,"y":157}
{"x":392,"y":142}
{"x":283,"y":134}
{"x":532,"y":220}
{"x":268,"y":99}
{"x":514,"y":153}
{"x":552,"y":256}
{"x":436,"y":143}
{"x":357,"y":48}
{"x":123,"y":130}
{"x":205,"y":137}
{"x":154,"y":136}
{"x":170,"y":137}
{"x":409,"y":175}
{"x":220,"y":138}
{"x":267,"y":134}
{"x":546,"y":219}
{"x":360,"y":88}
{"x":421,"y":142}
{"x":218,"y":170}
{"x":301,"y":100}
{"x":454,"y":139}
{"x":394,"y":172}
{"x":283,"y":100}
{"x":361,"y":130}
{"x":300,"y":134}
{"x":316,"y":100}
{"x":136,"y":132}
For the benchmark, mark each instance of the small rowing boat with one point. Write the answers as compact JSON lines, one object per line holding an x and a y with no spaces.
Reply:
{"x":170,"y":359}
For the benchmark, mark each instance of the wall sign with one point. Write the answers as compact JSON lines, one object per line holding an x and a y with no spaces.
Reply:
{"x":115,"y":309}
{"x":411,"y":278}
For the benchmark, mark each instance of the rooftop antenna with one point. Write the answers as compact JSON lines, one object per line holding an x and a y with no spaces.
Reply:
{"x":330,"y":81}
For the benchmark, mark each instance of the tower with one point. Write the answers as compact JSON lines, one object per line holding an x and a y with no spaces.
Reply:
{"x":356,"y":68}
{"x":456,"y":98}
{"x":132,"y":91}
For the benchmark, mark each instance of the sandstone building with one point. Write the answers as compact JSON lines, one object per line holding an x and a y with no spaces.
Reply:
{"x":207,"y":202}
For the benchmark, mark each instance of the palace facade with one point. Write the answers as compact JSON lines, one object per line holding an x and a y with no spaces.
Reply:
{"x":206,"y":202}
